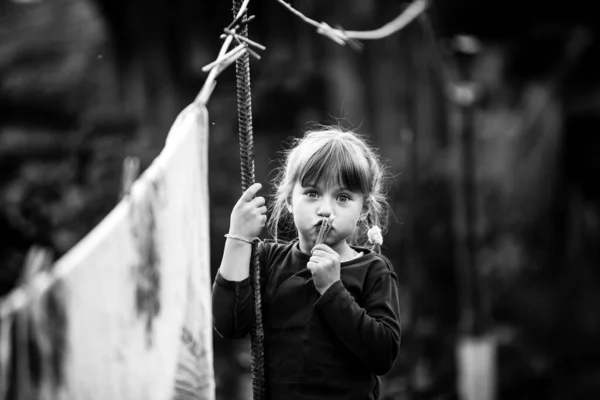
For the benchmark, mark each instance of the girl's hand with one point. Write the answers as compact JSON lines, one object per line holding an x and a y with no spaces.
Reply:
{"x":249,"y":214}
{"x":324,"y":264}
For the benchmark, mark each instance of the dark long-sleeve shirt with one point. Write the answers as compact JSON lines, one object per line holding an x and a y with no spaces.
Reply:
{"x":317,"y":347}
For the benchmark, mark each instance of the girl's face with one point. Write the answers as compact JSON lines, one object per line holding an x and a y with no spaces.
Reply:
{"x":309,"y":204}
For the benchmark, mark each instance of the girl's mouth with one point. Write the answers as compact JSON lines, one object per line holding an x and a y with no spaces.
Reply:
{"x":324,"y":226}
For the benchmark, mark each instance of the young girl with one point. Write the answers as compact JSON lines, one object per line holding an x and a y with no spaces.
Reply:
{"x":330,"y":310}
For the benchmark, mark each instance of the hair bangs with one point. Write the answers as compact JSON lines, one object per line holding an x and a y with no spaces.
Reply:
{"x":336,"y":164}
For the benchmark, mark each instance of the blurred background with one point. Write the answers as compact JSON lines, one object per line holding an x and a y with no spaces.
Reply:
{"x":488,"y":114}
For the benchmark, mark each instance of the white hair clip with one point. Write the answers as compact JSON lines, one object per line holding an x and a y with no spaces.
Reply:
{"x":374,"y":235}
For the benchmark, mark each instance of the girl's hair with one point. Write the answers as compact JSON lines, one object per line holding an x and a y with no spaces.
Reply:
{"x":333,"y":155}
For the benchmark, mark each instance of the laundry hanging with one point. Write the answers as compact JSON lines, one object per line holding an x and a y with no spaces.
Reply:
{"x":126,"y":312}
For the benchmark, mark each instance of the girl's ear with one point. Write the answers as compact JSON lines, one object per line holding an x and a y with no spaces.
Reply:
{"x":363,"y":219}
{"x":366,"y":206}
{"x":364,"y":213}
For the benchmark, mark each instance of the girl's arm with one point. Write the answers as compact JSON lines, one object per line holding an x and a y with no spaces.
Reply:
{"x":232,"y":310}
{"x":371,"y":332}
{"x":236,"y":260}
{"x":231,"y":305}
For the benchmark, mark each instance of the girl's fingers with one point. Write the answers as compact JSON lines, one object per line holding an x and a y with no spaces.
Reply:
{"x":318,"y":253}
{"x":324,"y":248}
{"x":251,"y":192}
{"x":262,"y":210}
{"x":258,"y":201}
{"x":317,"y":260}
{"x":324,"y":251}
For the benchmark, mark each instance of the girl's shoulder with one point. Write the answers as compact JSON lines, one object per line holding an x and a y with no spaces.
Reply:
{"x":372,"y":255}
{"x":386,"y":261}
{"x":376,"y":262}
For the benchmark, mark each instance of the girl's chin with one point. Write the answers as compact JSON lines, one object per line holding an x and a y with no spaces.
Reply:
{"x":311,"y":240}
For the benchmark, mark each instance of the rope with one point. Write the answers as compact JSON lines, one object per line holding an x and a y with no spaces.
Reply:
{"x":244,"y":102}
{"x":343,"y":37}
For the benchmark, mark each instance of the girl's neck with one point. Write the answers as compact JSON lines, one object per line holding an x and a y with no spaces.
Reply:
{"x":346,"y":253}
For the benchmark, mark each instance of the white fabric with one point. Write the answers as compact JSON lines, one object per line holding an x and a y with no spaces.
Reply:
{"x":135,"y":292}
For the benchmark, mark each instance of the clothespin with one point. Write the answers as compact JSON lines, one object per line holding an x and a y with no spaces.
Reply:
{"x":239,"y":39}
{"x":339,"y":35}
{"x":248,"y":49}
{"x":226,"y":58}
{"x":240,"y":15}
{"x":224,"y":61}
{"x":37,"y":260}
{"x":131,"y":170}
{"x":5,"y":353}
{"x":233,"y":32}
{"x":333,"y":34}
{"x":240,"y":22}
{"x":353,"y":43}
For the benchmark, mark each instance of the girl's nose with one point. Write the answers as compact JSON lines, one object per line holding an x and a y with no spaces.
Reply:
{"x":325,"y":208}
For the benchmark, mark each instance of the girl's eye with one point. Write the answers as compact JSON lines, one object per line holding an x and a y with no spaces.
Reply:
{"x":311,"y":194}
{"x":343,"y":198}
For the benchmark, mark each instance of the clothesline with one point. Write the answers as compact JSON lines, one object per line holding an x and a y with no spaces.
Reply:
{"x":342,"y":36}
{"x":226,"y":57}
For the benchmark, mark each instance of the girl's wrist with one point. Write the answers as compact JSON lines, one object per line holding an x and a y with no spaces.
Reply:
{"x":240,"y":238}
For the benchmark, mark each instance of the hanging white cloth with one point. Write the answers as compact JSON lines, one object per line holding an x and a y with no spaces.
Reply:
{"x":130,"y":315}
